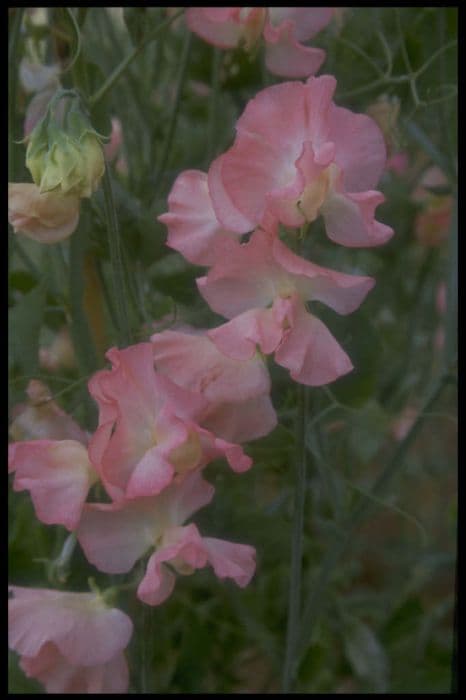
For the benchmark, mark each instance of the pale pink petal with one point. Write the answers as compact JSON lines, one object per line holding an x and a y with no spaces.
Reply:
{"x":242,"y":421}
{"x":195,"y":363}
{"x":240,"y":337}
{"x":225,"y":211}
{"x":343,"y":293}
{"x":84,"y":629}
{"x":193,"y":228}
{"x":215,"y":447}
{"x":58,"y":476}
{"x":150,"y":476}
{"x":360,"y":148}
{"x":349,"y":219}
{"x":114,"y":536}
{"x":231,"y":560}
{"x":308,"y":20}
{"x":186,"y":496}
{"x":217,"y":26}
{"x":310,"y":351}
{"x":286,"y":57}
{"x":184,"y":545}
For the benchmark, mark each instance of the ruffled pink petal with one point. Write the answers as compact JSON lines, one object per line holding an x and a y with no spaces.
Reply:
{"x":349,"y":219}
{"x":183,"y":544}
{"x":310,"y":351}
{"x":186,"y":496}
{"x":85,"y":631}
{"x":343,"y":293}
{"x":196,"y":364}
{"x":150,"y":476}
{"x":193,"y":229}
{"x":231,"y":560}
{"x":240,"y":337}
{"x":215,"y":447}
{"x":58,"y":476}
{"x":114,"y":536}
{"x":360,"y":148}
{"x":286,"y":57}
{"x":217,"y":26}
{"x":225,"y":211}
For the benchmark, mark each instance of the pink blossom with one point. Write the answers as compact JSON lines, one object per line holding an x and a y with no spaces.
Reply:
{"x":70,"y":642}
{"x":48,"y":218}
{"x":193,"y":228}
{"x":282,"y":28}
{"x":262,"y":286}
{"x":238,"y":391}
{"x":149,"y":427}
{"x":58,"y":475}
{"x":114,"y":536}
{"x":297,"y":155}
{"x":41,"y":418}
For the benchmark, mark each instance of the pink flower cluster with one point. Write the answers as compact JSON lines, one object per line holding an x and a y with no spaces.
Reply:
{"x":153,"y":439}
{"x":283,"y":30}
{"x":169,"y":407}
{"x":296,"y":156}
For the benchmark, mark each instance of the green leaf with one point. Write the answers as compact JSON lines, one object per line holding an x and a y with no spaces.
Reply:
{"x":366,"y":655}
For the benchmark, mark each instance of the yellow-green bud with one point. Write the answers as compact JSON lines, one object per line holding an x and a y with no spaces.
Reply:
{"x":68,"y":157}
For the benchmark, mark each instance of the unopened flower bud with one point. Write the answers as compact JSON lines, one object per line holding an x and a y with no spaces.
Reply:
{"x":65,"y":154}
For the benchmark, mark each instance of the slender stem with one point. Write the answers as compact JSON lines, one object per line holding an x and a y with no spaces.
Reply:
{"x":336,"y":549}
{"x":175,"y":109}
{"x":12,"y":86}
{"x":294,"y":597}
{"x":118,"y":278}
{"x":451,"y":324}
{"x":121,"y":68}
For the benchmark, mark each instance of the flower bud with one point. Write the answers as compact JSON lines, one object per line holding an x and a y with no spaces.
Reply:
{"x":64,"y":153}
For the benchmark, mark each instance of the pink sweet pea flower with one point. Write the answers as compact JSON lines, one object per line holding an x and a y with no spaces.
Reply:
{"x":42,"y":418}
{"x":70,"y":642}
{"x":262,"y":286}
{"x":47,"y":217}
{"x":193,"y":228}
{"x":149,"y":427}
{"x":297,"y":155}
{"x":58,"y":475}
{"x":282,"y":28}
{"x":238,"y":391}
{"x":114,"y":536}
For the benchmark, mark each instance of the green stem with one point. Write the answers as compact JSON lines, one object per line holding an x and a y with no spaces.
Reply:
{"x":175,"y":109}
{"x":12,"y":87}
{"x":294,"y":596}
{"x":118,"y":278}
{"x":336,"y":549}
{"x":121,"y":68}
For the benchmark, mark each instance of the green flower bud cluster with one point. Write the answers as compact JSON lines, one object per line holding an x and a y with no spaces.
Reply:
{"x":64,"y":153}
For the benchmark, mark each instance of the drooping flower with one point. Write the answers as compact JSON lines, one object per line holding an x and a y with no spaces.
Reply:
{"x":70,"y":642}
{"x":282,"y":28}
{"x":47,"y":217}
{"x":114,"y":536}
{"x":262,"y":286}
{"x":149,"y":427}
{"x":297,"y":155}
{"x":237,"y":391}
{"x":58,"y":475}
